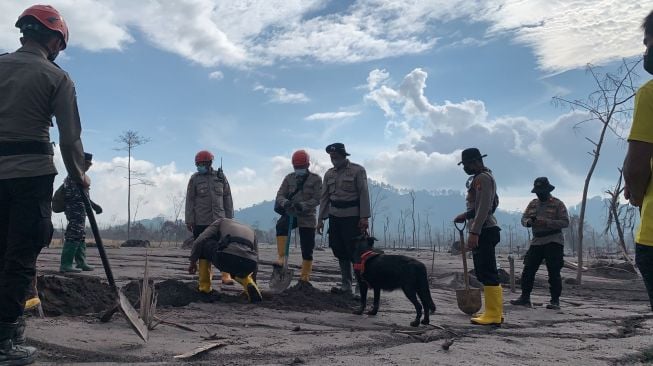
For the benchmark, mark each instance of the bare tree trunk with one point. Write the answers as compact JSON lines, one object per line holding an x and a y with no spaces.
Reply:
{"x":583,"y":205}
{"x":412,"y":213}
{"x":129,"y":189}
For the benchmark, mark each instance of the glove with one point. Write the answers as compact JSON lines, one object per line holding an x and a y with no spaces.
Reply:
{"x":287,"y":205}
{"x":363,"y":224}
{"x":299,"y":207}
{"x":97,"y":208}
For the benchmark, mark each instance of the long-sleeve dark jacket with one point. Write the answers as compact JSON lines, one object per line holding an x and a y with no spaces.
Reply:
{"x":554,"y":214}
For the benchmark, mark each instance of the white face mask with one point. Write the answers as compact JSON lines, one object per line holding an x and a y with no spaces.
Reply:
{"x":302,"y":171}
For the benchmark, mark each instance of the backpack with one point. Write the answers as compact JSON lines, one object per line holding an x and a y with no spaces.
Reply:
{"x":58,"y":204}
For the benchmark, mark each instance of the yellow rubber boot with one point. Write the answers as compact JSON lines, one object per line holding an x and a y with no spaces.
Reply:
{"x":205,"y":275}
{"x":251,"y":290}
{"x":281,"y":249}
{"x":307,"y":266}
{"x":493,"y":307}
{"x":226,"y":279}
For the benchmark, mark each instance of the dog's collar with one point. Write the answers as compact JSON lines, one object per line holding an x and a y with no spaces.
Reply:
{"x":360,"y":267}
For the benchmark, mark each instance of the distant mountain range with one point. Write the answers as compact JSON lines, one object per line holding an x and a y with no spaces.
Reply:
{"x":392,"y":209}
{"x":439,"y":207}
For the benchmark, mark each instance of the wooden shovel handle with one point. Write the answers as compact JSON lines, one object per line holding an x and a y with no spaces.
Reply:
{"x":464,"y":253}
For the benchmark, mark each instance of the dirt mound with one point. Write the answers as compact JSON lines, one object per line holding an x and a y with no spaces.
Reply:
{"x":303,"y":297}
{"x":74,"y":295}
{"x":622,"y":270}
{"x":133,"y":243}
{"x":169,"y":293}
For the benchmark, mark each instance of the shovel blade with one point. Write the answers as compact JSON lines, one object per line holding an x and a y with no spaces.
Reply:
{"x":132,"y":316}
{"x":280,"y":280}
{"x":469,"y":300}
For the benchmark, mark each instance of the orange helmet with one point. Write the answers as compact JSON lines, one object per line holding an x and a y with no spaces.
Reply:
{"x":46,"y":16}
{"x":300,"y":159}
{"x":203,"y":156}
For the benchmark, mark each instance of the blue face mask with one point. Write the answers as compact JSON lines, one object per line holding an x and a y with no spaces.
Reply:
{"x":202,"y":169}
{"x":301,"y":171}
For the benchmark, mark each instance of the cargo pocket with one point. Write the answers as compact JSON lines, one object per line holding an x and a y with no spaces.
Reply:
{"x":202,"y":189}
{"x":348,"y":184}
{"x":45,"y":228}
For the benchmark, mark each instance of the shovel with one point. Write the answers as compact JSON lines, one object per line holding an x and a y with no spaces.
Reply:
{"x":469,"y":299}
{"x":281,"y":276}
{"x":123,"y":303}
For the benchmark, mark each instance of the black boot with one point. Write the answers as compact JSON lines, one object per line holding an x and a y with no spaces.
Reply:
{"x":10,"y":354}
{"x":19,"y":333}
{"x":554,"y":304}
{"x":522,"y":301}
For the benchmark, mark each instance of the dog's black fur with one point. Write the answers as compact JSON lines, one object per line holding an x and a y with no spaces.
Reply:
{"x":391,"y":272}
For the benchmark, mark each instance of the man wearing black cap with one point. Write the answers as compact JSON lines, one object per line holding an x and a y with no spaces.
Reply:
{"x":546,"y":216}
{"x":74,"y":246}
{"x":345,"y":201}
{"x":484,"y":233}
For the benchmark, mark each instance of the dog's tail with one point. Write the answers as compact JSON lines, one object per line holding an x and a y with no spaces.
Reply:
{"x":424,"y":291}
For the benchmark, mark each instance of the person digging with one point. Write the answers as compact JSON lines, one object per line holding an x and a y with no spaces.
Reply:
{"x":546,"y":216}
{"x":298,"y":194}
{"x":74,"y":246}
{"x":233,"y":248}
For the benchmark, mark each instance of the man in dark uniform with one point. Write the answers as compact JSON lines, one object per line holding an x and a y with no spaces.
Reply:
{"x":484,"y":233}
{"x":74,"y":246}
{"x":233,"y":248}
{"x":32,"y":90}
{"x":345,"y":201}
{"x":546,"y":216}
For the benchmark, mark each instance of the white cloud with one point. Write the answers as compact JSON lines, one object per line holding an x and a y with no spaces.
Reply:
{"x":282,"y":95}
{"x":567,"y":34}
{"x":432,"y":136}
{"x":246,"y":174}
{"x":331,"y":116}
{"x":94,"y":25}
{"x":563,"y":34}
{"x":216,"y":75}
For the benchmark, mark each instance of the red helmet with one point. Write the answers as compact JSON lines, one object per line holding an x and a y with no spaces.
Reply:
{"x":48,"y":17}
{"x":300,"y":159}
{"x":203,"y":156}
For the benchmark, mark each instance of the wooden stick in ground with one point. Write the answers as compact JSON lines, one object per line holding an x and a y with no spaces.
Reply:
{"x":511,"y":261}
{"x":168,"y":322}
{"x":199,"y":350}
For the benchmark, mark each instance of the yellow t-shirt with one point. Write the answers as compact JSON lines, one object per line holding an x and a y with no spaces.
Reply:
{"x":642,"y":130}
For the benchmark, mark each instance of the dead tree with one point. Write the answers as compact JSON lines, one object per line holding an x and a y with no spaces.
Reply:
{"x":412,"y":213}
{"x":377,"y":196}
{"x":610,"y":106}
{"x":129,"y":140}
{"x":616,"y":213}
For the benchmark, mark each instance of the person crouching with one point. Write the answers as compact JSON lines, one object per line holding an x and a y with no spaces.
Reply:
{"x":233,"y":248}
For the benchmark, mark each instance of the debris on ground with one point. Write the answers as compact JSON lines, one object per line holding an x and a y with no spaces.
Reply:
{"x":135,"y":243}
{"x":616,"y":270}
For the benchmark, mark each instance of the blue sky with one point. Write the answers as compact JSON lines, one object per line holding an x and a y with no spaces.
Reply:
{"x":405,"y":87}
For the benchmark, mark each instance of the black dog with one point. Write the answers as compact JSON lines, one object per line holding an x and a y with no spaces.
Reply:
{"x":390,"y":272}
